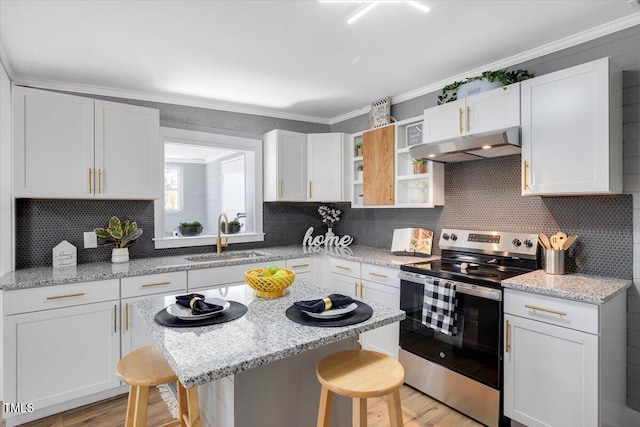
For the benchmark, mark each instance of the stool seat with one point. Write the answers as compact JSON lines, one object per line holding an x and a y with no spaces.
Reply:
{"x":146,"y":367}
{"x":360,"y":374}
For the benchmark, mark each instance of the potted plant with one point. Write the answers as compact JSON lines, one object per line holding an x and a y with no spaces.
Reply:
{"x":120,"y":234}
{"x":234,"y":226}
{"x":359,"y":172}
{"x":452,"y":92}
{"x":419,"y":166}
{"x":358,"y":148}
{"x":190,"y":228}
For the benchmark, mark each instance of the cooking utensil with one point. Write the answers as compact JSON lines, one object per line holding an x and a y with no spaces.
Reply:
{"x":567,"y":243}
{"x":544,"y":240}
{"x":555,"y":244}
{"x":562,"y":237}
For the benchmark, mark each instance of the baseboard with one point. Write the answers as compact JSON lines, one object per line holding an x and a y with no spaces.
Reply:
{"x":17,"y":419}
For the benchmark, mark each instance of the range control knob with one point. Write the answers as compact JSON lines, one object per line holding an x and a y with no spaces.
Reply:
{"x":528,"y":243}
{"x":445,"y":236}
{"x":516,"y":242}
{"x":454,"y":237}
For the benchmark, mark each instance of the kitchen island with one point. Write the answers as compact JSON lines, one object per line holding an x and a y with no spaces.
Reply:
{"x":258,"y":370}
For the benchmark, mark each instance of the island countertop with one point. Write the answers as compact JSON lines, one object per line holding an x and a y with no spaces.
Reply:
{"x":264,"y":334}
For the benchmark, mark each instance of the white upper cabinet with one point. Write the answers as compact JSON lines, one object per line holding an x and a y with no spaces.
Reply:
{"x":325,"y":166}
{"x":53,"y":149}
{"x":128,"y":160}
{"x":572,"y":131}
{"x":485,"y":112}
{"x":68,"y":146}
{"x":285,"y":163}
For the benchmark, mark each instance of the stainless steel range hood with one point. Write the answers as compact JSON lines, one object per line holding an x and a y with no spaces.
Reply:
{"x":503,"y":142}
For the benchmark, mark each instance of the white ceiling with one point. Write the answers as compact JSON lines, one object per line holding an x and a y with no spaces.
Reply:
{"x":294,"y":59}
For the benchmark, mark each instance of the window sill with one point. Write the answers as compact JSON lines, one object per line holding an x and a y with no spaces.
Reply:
{"x":207,"y":240}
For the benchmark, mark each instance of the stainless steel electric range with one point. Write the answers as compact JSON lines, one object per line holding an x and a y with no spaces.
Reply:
{"x":463,"y":370}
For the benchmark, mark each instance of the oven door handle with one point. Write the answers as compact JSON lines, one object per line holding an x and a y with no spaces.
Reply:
{"x":462,"y":288}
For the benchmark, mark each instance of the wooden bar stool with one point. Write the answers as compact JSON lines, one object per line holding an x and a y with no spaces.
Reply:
{"x":360,"y":374}
{"x":147,"y":367}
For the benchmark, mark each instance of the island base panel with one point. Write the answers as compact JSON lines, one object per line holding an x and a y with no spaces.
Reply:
{"x":281,"y":393}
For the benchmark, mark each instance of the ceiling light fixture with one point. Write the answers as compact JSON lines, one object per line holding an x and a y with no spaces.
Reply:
{"x":486,"y":147}
{"x":371,"y":4}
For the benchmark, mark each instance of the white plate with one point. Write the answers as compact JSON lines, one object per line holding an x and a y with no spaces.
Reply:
{"x":184,"y":313}
{"x":334,"y":312}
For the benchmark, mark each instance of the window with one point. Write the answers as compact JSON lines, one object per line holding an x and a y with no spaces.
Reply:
{"x":172,"y":189}
{"x":207,"y":174}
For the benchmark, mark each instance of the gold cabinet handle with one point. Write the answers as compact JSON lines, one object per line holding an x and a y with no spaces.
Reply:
{"x":546,"y":310}
{"x":310,"y":192}
{"x":115,"y":318}
{"x":508,"y":338}
{"x":300,"y":265}
{"x":342,"y":268}
{"x":126,"y":316}
{"x":151,"y":285}
{"x":468,"y":118}
{"x":525,"y":168}
{"x":361,"y":288}
{"x":384,"y":276}
{"x":281,"y":186}
{"x":355,"y":288}
{"x":99,"y":181}
{"x":460,"y":119}
{"x":90,"y":176}
{"x":79,"y":294}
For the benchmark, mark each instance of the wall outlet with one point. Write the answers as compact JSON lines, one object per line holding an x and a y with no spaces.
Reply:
{"x":90,"y":240}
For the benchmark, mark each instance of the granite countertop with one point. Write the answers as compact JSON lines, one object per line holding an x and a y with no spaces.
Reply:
{"x":577,"y":287}
{"x":263,"y":335}
{"x":47,"y":276}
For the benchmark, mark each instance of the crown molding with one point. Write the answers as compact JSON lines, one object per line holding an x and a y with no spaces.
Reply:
{"x":570,"y":41}
{"x":189,"y":101}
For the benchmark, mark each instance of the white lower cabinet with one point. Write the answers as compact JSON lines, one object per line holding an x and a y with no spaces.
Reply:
{"x":303,"y":267}
{"x":371,"y":283}
{"x":564,"y":361}
{"x":134,"y":333}
{"x":61,"y":342}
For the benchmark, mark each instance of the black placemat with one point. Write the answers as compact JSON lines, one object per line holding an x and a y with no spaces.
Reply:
{"x":233,"y":312}
{"x":360,"y":314}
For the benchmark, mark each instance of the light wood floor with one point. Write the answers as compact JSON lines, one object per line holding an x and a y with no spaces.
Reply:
{"x":418,"y":411}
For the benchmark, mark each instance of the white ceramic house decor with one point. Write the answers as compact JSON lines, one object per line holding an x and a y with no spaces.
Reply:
{"x":65,"y":255}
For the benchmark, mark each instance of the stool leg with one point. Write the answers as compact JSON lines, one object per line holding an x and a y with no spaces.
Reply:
{"x":142,"y":399}
{"x":131,"y":406}
{"x":193,"y":407}
{"x":359,"y":412}
{"x":183,"y":408}
{"x":395,"y":409}
{"x":324,"y":411}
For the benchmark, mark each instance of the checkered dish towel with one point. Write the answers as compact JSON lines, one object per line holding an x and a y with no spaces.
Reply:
{"x":438,"y":309}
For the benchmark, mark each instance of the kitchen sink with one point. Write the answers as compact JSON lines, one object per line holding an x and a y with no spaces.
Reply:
{"x":225,"y":256}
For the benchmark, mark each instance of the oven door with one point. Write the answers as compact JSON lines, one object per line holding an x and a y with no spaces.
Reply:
{"x":474,"y":350}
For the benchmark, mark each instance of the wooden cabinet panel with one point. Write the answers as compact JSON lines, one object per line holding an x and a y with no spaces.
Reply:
{"x":378,"y":161}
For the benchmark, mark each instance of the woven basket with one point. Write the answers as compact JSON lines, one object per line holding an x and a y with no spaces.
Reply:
{"x":269,"y":287}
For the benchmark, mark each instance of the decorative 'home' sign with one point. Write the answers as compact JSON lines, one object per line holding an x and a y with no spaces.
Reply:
{"x":322,"y":240}
{"x":65,"y":255}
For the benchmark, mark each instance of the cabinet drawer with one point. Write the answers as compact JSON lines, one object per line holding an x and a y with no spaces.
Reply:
{"x":210,"y":277}
{"x":300,"y":265}
{"x":154,"y":284}
{"x":346,"y":267}
{"x":48,"y":297}
{"x":383,"y":275}
{"x":555,"y":311}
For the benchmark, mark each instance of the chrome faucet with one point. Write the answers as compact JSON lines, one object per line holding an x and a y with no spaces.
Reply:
{"x":219,"y":243}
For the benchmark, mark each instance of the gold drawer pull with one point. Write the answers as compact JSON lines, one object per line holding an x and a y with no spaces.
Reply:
{"x":342,"y":268}
{"x":150,"y":285}
{"x":384,"y":276}
{"x":460,"y":119}
{"x":99,"y":181}
{"x":126,"y":316}
{"x":79,"y":294}
{"x":546,"y":310}
{"x":300,"y":265}
{"x":90,"y":178}
{"x":508,"y":338}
